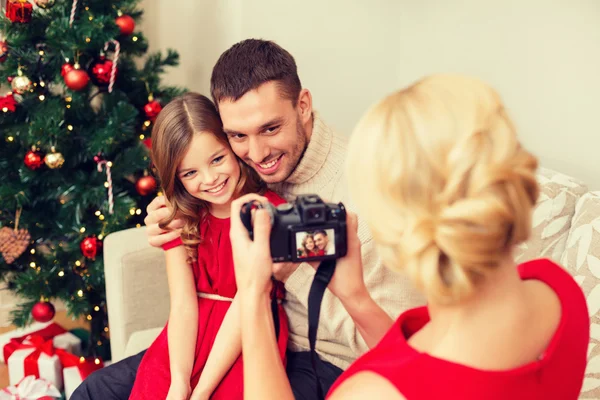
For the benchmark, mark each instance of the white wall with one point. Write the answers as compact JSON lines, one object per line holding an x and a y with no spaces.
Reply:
{"x":200,"y":30}
{"x":543,"y":58}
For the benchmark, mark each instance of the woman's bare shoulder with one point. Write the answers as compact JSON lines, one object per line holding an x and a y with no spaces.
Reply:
{"x":366,"y":385}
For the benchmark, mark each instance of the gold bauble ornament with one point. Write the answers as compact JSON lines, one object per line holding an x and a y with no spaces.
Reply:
{"x":20,"y":84}
{"x":54,"y":159}
{"x":44,"y":3}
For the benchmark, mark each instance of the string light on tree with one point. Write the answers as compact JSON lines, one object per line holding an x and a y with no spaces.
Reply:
{"x":80,"y":268}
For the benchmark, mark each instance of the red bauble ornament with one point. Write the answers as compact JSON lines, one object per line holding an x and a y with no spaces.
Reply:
{"x":148,"y":143}
{"x":76,"y":79}
{"x":43,"y":311}
{"x":8,"y":103}
{"x":126,"y":24}
{"x":98,"y":157}
{"x":100,"y":71}
{"x":152,"y":109}
{"x":65,"y":69}
{"x":3,"y":51}
{"x":90,"y":246}
{"x":34,"y":159}
{"x":10,"y":79}
{"x":145,"y":185}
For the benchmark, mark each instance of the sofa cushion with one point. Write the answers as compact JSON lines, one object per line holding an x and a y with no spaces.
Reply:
{"x":141,"y":340}
{"x":551,"y":217}
{"x":582,"y":260}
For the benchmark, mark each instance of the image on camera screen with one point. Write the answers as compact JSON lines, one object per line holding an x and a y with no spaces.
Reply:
{"x":315,"y":243}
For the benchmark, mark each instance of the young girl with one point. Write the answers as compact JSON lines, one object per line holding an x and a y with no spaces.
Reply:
{"x":198,"y":353}
{"x":308,"y":246}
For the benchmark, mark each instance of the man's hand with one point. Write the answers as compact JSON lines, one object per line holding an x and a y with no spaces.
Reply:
{"x":157,"y":211}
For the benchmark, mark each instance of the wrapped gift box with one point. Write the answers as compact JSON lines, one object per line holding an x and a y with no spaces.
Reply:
{"x":30,"y":388}
{"x":49,"y":330}
{"x":19,"y":10}
{"x":38,"y":357}
{"x":75,"y":374}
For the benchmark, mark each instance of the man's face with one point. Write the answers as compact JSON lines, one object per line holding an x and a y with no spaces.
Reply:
{"x":321,"y":241}
{"x":266,"y":131}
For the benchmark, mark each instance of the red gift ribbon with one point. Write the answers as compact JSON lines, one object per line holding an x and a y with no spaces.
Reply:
{"x":40,"y":345}
{"x":42,"y":341}
{"x":45,"y":346}
{"x":47,"y":333}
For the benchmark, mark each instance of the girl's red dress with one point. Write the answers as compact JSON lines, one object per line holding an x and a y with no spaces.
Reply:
{"x":214,"y":274}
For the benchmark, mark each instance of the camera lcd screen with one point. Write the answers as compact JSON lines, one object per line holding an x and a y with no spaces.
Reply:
{"x":315,"y":243}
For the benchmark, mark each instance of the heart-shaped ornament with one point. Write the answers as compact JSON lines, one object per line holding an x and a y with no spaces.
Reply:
{"x":13,"y":243}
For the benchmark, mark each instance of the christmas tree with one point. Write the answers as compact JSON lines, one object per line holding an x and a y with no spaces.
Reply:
{"x":74,"y":139}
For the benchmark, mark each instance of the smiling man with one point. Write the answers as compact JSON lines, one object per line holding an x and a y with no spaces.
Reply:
{"x":270,"y":123}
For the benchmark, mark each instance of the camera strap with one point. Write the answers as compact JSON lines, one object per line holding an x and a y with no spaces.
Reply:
{"x":315,"y":297}
{"x":275,"y":312}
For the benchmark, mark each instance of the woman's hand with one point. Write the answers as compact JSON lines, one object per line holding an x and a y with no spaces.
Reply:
{"x":348,"y":283}
{"x":179,"y":390}
{"x":251,"y":258}
{"x":198,"y":394}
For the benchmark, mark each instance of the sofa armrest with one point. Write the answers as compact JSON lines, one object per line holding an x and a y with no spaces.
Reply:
{"x":137,"y":293}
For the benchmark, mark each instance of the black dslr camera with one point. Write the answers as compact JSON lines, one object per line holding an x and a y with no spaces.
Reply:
{"x":307,"y":230}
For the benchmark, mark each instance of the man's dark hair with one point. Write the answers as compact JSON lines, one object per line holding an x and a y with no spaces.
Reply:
{"x":321,"y":232}
{"x":250,"y":63}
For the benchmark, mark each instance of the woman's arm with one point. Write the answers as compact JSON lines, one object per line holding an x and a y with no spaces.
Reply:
{"x":371,"y":321}
{"x":264,"y":374}
{"x":225,"y":351}
{"x":183,"y":321}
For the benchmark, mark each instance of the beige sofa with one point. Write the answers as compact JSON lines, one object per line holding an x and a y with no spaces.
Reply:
{"x":566,"y":228}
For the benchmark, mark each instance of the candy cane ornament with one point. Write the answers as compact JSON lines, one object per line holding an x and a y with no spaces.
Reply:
{"x":113,"y":72}
{"x":73,"y":10}
{"x":107,"y":165}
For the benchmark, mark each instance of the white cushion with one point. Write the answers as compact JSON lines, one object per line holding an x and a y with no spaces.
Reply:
{"x":141,"y":340}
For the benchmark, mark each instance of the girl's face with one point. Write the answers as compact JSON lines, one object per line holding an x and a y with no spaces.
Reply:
{"x":209,"y":171}
{"x":310,"y":244}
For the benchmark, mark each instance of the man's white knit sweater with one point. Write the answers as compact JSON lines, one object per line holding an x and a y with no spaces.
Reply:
{"x":322,"y":171}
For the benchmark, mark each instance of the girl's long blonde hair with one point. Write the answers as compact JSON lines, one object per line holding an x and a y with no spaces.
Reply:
{"x":443,"y":182}
{"x":175,"y":126}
